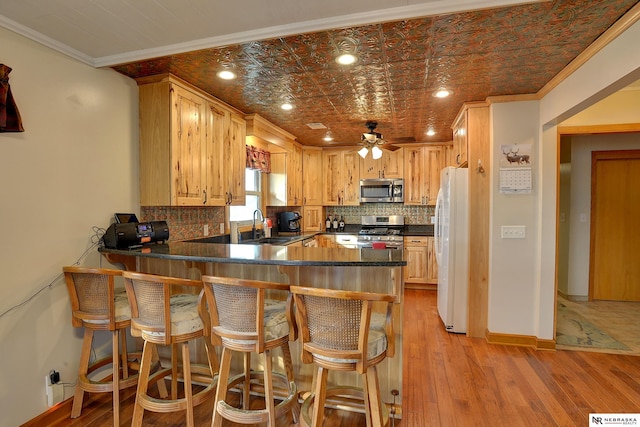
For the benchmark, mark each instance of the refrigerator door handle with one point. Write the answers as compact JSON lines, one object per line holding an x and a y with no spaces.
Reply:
{"x":437,"y":231}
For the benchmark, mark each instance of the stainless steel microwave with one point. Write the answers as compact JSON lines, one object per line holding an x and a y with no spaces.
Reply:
{"x":381,"y":190}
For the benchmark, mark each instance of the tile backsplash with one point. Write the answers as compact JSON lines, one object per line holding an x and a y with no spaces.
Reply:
{"x":187,"y":222}
{"x":412,"y":214}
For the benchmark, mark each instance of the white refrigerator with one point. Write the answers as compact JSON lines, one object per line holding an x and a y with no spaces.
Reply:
{"x":451,"y":232}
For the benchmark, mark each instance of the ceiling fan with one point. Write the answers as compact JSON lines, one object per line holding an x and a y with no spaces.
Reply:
{"x":374,"y":141}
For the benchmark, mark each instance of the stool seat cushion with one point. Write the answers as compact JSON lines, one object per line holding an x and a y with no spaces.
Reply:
{"x":276,"y":324}
{"x":122,"y":308}
{"x":185,"y":318}
{"x":377,"y":340}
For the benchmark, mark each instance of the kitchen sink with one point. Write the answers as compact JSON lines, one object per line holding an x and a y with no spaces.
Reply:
{"x":213,"y":239}
{"x":269,"y":241}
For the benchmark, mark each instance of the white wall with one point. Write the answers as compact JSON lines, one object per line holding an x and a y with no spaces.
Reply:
{"x":72,"y":168}
{"x":513,"y":261}
{"x":522,"y":299}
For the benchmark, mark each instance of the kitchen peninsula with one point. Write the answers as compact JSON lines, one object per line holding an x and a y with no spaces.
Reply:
{"x":369,"y":270}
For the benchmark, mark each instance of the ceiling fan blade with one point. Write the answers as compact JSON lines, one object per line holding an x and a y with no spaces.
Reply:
{"x":389,"y":147}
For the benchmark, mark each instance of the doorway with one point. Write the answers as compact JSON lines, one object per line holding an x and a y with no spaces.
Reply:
{"x":575,"y":218}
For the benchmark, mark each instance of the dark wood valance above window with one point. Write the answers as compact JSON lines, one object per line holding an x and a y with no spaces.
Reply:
{"x":10,"y":120}
{"x":258,"y":159}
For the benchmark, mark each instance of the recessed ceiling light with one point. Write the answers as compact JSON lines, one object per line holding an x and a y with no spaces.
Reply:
{"x":226,"y":75}
{"x":346,"y":59}
{"x":431,"y":132}
{"x":286,"y":106}
{"x":442,"y":93}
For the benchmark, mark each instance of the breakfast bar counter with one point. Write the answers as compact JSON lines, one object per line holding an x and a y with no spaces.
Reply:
{"x":365,"y":270}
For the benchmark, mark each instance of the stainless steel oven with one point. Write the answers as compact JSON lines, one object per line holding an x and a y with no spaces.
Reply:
{"x":383,"y":232}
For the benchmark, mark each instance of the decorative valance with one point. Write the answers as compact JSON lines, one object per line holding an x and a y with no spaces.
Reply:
{"x":258,"y":159}
{"x":10,"y":120}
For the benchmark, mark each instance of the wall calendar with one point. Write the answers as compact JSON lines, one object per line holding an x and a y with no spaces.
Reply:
{"x":515,"y":169}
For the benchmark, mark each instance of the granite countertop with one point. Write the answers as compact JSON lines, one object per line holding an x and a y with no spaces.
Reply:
{"x":265,"y":254}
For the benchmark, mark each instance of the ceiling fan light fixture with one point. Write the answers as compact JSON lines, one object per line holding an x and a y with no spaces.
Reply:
{"x":442,"y":92}
{"x":376,"y":152}
{"x":363,"y":152}
{"x":346,"y":59}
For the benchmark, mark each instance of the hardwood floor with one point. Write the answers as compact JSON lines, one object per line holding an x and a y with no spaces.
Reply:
{"x":452,"y":380}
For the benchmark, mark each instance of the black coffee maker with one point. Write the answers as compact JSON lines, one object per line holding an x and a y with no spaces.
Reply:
{"x":289,"y":221}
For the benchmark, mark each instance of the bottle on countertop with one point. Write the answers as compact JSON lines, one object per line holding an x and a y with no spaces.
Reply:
{"x":341,"y":224}
{"x":328,"y":224}
{"x":335,"y":223}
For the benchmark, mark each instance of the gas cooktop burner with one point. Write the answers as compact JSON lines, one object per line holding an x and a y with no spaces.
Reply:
{"x":381,"y":231}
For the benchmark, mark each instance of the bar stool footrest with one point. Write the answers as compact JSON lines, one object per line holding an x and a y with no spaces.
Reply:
{"x":340,"y":397}
{"x":288,"y":395}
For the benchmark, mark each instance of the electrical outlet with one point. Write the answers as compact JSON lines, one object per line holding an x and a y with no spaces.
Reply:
{"x":222,"y":228}
{"x":55,"y":392}
{"x":206,"y":229}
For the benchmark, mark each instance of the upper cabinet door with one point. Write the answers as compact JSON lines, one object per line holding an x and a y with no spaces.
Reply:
{"x":237,"y":132}
{"x":460,"y":139}
{"x":422,"y":166}
{"x":215,"y":124}
{"x":342,"y":177}
{"x":312,"y":177}
{"x":188,"y":149}
{"x":390,"y":165}
{"x":351,"y":178}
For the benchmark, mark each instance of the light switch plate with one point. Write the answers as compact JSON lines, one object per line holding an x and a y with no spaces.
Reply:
{"x":513,"y":231}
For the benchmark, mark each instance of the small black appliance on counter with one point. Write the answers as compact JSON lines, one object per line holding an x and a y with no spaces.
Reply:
{"x":289,"y":222}
{"x":129,"y":235}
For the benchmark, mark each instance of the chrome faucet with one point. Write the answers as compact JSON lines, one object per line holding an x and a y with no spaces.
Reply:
{"x":254,"y":231}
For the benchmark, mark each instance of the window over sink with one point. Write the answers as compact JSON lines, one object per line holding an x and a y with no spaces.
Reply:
{"x":253,"y":199}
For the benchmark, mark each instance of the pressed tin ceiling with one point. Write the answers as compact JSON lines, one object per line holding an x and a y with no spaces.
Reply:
{"x":507,"y":50}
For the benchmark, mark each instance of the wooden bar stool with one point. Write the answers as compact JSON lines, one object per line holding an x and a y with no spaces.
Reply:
{"x":97,"y":305}
{"x":247,"y":317}
{"x":161,"y":316}
{"x":340,"y":332}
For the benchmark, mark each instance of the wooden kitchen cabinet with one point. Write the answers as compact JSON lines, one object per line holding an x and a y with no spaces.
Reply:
{"x":285,"y":179}
{"x":390,"y":165}
{"x":326,"y":241}
{"x":460,"y":139}
{"x":313,"y":218}
{"x":422,"y":166}
{"x":421,"y":268}
{"x":342,"y":177}
{"x":184,"y":136}
{"x":225,"y":151}
{"x":294,"y":176}
{"x":236,"y":154}
{"x":312,"y":176}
